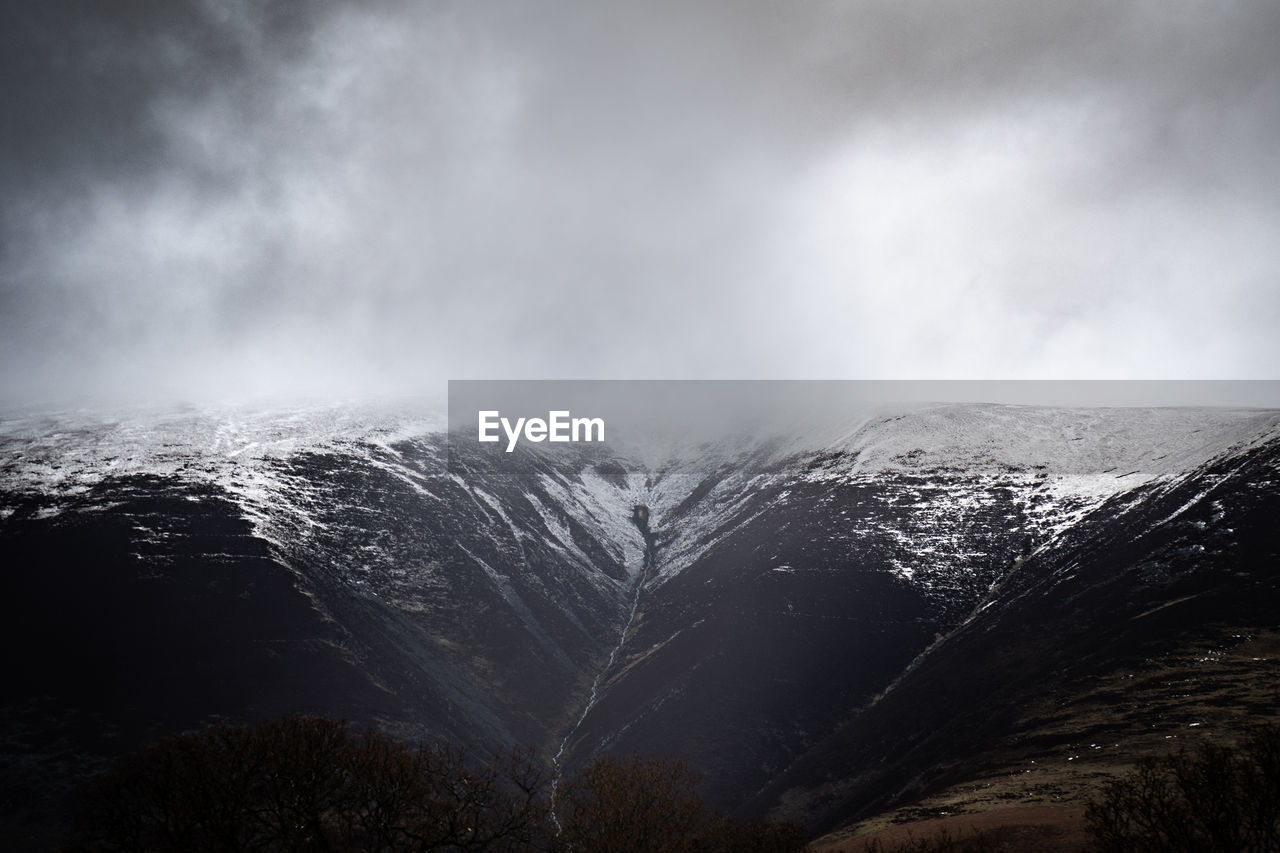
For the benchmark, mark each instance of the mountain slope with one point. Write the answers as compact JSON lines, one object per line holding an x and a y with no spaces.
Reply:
{"x":825,"y":624}
{"x":1148,"y":622}
{"x":154,"y":582}
{"x":794,"y":586}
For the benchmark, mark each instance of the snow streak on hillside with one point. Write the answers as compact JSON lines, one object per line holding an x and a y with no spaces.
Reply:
{"x":1057,"y":463}
{"x":945,"y":463}
{"x":341,"y":556}
{"x":65,"y":453}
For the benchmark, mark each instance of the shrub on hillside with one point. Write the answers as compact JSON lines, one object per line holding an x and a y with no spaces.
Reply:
{"x":649,"y":806}
{"x":1214,"y":799}
{"x":941,"y":842}
{"x":309,"y":783}
{"x":313,"y":784}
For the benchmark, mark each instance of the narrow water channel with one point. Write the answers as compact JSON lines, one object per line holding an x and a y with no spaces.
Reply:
{"x":639,"y":517}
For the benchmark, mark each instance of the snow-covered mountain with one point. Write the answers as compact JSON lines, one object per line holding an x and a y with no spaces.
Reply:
{"x":166,"y":568}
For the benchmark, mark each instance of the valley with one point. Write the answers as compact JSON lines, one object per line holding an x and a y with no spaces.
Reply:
{"x":938,"y":608}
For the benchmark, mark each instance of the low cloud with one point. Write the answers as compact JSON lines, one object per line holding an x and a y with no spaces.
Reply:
{"x":224,"y":200}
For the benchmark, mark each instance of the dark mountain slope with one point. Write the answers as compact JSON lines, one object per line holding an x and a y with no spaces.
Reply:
{"x":1097,"y":576}
{"x":1105,"y":646}
{"x":798,"y":611}
{"x":361,"y":581}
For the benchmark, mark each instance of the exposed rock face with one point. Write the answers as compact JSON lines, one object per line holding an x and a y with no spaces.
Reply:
{"x":823,"y":626}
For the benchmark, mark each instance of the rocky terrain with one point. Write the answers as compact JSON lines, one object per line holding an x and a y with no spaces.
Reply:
{"x":937,"y":608}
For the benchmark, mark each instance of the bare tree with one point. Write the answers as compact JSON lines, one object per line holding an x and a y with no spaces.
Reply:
{"x":649,"y":806}
{"x":1214,"y":799}
{"x":310,"y":784}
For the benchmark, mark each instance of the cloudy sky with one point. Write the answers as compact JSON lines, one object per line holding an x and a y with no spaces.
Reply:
{"x":236,"y":198}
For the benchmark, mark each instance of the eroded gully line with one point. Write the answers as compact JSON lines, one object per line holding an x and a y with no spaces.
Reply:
{"x":640,"y":517}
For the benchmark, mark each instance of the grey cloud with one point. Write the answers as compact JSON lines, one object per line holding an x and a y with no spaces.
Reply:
{"x":235,"y":197}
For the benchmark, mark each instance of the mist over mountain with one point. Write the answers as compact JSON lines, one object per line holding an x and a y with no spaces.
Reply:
{"x":978,"y":604}
{"x":212,"y":199}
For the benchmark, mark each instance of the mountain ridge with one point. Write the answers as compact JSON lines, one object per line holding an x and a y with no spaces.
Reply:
{"x":795,"y":584}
